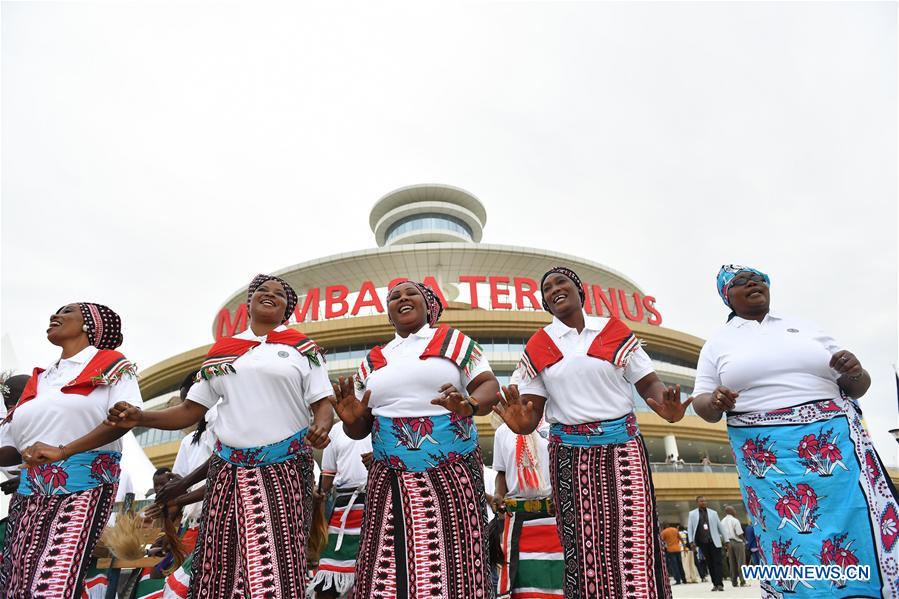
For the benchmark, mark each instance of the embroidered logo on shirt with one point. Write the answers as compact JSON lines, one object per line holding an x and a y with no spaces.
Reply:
{"x":792,"y":330}
{"x":283,"y":354}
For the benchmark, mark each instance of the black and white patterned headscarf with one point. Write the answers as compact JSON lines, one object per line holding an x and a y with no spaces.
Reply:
{"x":103,"y":326}
{"x":433,"y":304}
{"x":565,"y":272}
{"x":291,"y":294}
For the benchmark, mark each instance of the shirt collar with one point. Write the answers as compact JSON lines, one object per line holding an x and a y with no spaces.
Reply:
{"x":738,"y":322}
{"x":425,"y":332}
{"x":559,"y":329}
{"x":82,"y":357}
{"x":249,"y":335}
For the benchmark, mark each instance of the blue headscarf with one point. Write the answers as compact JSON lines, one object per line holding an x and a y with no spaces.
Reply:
{"x":727,"y":274}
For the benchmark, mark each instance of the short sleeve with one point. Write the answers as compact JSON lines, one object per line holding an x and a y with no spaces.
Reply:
{"x":316,"y":384}
{"x":181,"y":460}
{"x":499,"y":459}
{"x":329,"y":459}
{"x":707,"y":378}
{"x":532,"y":386}
{"x":483,"y":365}
{"x":202,"y":393}
{"x":639,"y":364}
{"x":127,"y":390}
{"x":6,"y":439}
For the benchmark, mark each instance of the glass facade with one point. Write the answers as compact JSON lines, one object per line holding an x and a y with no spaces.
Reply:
{"x":148,"y":437}
{"x":428,"y":222}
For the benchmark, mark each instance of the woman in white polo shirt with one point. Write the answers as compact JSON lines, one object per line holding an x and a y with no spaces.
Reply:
{"x":66,"y":494}
{"x":424,"y":532}
{"x":271,"y":381}
{"x":578,"y":372}
{"x":817,"y":491}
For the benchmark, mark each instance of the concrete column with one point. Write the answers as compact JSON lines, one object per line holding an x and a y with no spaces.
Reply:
{"x":671,"y":446}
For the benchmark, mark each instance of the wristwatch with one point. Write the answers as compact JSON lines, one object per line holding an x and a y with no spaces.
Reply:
{"x":475,"y":406}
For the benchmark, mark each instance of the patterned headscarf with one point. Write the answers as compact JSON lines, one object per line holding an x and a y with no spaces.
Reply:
{"x":291,"y":294}
{"x":728,"y":273}
{"x":104,"y":327}
{"x":568,"y":273}
{"x":433,"y":304}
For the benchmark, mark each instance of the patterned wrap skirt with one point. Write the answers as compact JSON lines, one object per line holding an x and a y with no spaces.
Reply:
{"x":255,"y":524}
{"x":818,"y":495}
{"x":337,"y":566}
{"x":606,"y":511}
{"x":532,"y":566}
{"x":424,"y":533}
{"x":55,"y":520}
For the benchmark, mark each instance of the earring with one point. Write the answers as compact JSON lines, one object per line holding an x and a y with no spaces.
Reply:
{"x":84,"y":328}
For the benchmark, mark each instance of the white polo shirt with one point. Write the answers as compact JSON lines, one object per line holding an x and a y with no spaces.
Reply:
{"x":268,"y":396}
{"x":342,"y":459}
{"x":504,"y":445}
{"x":57,"y":418}
{"x":580,"y":388}
{"x":407,"y":384}
{"x":777,"y":363}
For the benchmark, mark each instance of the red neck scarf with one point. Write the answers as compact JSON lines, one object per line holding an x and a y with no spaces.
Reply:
{"x":221,"y":356}
{"x":107,"y":367}
{"x":447,"y":342}
{"x":615,"y":343}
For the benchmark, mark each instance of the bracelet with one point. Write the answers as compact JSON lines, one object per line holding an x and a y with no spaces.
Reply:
{"x":63,"y":449}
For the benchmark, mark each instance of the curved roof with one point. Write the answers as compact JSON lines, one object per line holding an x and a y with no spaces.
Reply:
{"x":427,"y":192}
{"x":445,"y":261}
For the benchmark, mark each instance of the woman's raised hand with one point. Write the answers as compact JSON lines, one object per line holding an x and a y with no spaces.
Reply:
{"x":123,"y":415}
{"x":670,"y":407}
{"x":348,"y":408}
{"x":520,"y":415}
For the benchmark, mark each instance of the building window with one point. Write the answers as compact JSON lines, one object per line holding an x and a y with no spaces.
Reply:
{"x":148,"y":437}
{"x":428,"y":222}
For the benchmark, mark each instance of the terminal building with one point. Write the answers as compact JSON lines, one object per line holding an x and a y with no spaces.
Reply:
{"x":433,"y":233}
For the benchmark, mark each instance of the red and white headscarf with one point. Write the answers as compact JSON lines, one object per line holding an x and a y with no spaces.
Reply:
{"x":104,"y":327}
{"x":433,"y":305}
{"x":291,"y":294}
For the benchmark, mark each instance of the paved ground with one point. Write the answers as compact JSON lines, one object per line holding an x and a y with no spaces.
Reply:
{"x":702,"y":590}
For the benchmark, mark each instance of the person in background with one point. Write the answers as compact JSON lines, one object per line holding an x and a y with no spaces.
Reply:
{"x":523,"y":494}
{"x":57,"y":428}
{"x":810,"y":475}
{"x":706,"y":464}
{"x":735,"y":543}
{"x":688,"y":560}
{"x":12,"y":387}
{"x":344,"y":472}
{"x":752,"y":545}
{"x":704,"y":531}
{"x":671,"y":538}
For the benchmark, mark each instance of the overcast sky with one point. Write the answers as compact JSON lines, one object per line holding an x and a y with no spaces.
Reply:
{"x":156,"y":156}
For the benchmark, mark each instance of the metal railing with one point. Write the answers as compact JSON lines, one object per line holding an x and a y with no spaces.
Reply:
{"x":706,"y":468}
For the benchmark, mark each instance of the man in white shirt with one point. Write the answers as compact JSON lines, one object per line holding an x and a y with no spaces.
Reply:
{"x":736,"y":545}
{"x":523,"y":491}
{"x":343,"y":469}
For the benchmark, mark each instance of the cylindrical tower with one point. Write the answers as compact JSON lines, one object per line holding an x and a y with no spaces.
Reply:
{"x":428,"y":213}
